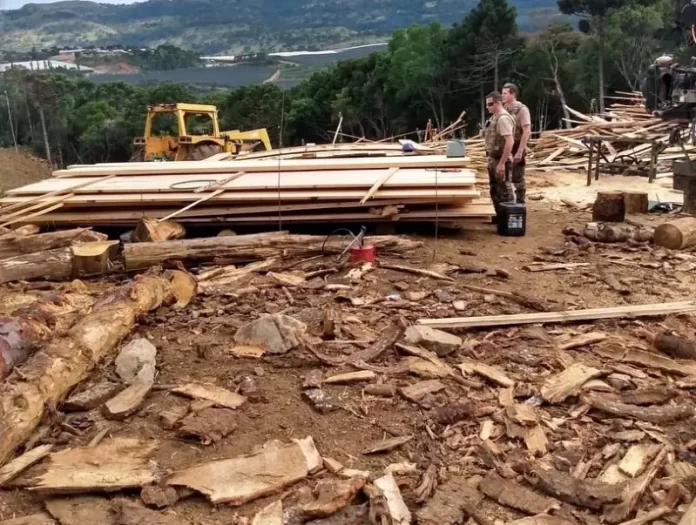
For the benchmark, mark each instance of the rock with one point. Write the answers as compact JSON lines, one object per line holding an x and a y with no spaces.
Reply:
{"x":227,"y":233}
{"x":159,"y":496}
{"x":170,"y":418}
{"x":459,"y":306}
{"x":277,"y":333}
{"x":92,"y":397}
{"x":249,"y":388}
{"x":135,"y":356}
{"x":332,"y":465}
{"x":438,"y":341}
{"x":319,"y":400}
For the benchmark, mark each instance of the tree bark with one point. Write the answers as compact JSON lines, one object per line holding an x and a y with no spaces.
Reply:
{"x":27,"y":328}
{"x":151,"y":230}
{"x":13,"y":246}
{"x":677,"y":234}
{"x":50,"y":264}
{"x":67,"y":360}
{"x":609,"y":207}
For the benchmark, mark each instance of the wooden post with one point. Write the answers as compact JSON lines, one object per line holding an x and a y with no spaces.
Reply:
{"x":599,"y":159}
{"x":589,"y":164}
{"x":690,"y":196}
{"x":47,"y":147}
{"x":653,"y":163}
{"x":12,"y":128}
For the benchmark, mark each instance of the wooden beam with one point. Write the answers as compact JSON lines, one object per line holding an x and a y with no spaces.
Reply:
{"x":33,"y":215}
{"x":377,"y":185}
{"x":630,"y":311}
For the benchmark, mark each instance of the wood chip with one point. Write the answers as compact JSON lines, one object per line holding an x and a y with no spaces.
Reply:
{"x":487,"y":371}
{"x":34,"y":519}
{"x":418,"y":391}
{"x":248,"y":351}
{"x":269,"y":515}
{"x":535,"y":439}
{"x":18,"y":465}
{"x":245,"y":478}
{"x":387,"y":445}
{"x":115,"y":464}
{"x":586,"y":493}
{"x":398,"y":511}
{"x":583,"y":340}
{"x":220,"y":396}
{"x":559,"y":387}
{"x":351,"y":377}
{"x":637,"y":459}
{"x":522,"y":414}
{"x":516,"y":496}
{"x":444,"y":508}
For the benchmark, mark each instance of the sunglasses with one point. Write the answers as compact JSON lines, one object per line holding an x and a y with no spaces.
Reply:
{"x":489,"y":104}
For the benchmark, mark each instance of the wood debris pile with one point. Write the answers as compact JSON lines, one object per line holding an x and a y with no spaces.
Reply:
{"x":563,"y":149}
{"x":411,"y":421}
{"x":360,"y":183}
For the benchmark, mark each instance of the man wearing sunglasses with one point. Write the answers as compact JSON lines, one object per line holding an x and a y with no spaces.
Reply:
{"x":499,"y":141}
{"x":523,"y":130}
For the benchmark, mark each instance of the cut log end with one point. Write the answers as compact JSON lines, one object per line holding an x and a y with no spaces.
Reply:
{"x":609,"y":207}
{"x":677,"y":234}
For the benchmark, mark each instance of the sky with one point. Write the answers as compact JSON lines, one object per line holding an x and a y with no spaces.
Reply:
{"x":15,"y":4}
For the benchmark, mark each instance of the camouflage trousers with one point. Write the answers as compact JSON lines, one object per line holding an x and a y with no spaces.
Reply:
{"x":518,"y":182}
{"x":501,"y":188}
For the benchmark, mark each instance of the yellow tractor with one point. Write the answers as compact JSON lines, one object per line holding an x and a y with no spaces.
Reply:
{"x":191,"y":132}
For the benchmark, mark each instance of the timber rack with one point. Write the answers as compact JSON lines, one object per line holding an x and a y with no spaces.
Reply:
{"x":617,"y":163}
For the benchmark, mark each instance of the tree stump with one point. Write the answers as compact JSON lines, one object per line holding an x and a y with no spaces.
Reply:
{"x":609,"y":207}
{"x":636,"y":201}
{"x":94,"y":258}
{"x":690,"y":196}
{"x":677,"y":234}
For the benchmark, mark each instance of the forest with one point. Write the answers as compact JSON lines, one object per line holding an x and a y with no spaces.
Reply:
{"x":429,"y":72}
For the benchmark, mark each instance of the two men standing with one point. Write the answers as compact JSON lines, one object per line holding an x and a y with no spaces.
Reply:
{"x":506,"y":138}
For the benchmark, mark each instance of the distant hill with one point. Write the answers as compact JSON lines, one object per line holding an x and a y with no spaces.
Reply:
{"x":232,"y":26}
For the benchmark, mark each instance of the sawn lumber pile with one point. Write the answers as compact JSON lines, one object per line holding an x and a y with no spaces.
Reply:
{"x":257,"y":190}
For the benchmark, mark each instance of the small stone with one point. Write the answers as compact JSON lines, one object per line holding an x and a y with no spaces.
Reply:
{"x":135,"y":356}
{"x":416,"y":296}
{"x":438,"y":341}
{"x":319,"y":400}
{"x":459,"y":306}
{"x":259,"y":371}
{"x":401,"y":286}
{"x":277,"y":333}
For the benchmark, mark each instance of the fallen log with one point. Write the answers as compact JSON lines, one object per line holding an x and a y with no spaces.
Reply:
{"x":67,"y":360}
{"x":244,"y":248}
{"x":50,"y":264}
{"x":677,"y":234}
{"x":27,"y":328}
{"x":12,"y":246}
{"x":653,"y":414}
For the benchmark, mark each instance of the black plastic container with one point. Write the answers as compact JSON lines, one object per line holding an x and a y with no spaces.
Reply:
{"x":512,"y":219}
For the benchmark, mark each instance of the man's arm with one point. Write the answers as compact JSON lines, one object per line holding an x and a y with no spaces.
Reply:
{"x":526,"y":123}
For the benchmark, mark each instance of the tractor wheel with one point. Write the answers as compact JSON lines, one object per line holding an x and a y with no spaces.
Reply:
{"x":203,"y":151}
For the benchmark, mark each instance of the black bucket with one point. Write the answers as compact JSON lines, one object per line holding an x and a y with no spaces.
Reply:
{"x":512,"y":219}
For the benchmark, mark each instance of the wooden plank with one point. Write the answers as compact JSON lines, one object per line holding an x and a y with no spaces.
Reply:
{"x":141,"y":199}
{"x":23,"y":462}
{"x":378,"y":184}
{"x":38,"y":206}
{"x":25,"y":218}
{"x":71,"y":189}
{"x":305,"y":180}
{"x":189,"y":167}
{"x":218,"y":185}
{"x":630,"y":311}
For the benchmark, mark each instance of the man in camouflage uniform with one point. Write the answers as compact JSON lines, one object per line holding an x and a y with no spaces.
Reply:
{"x":523,"y":130}
{"x":499,"y":140}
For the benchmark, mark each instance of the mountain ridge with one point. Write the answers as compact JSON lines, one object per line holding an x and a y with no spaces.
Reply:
{"x":217,"y":26}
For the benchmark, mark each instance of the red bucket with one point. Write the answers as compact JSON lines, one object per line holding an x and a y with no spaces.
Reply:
{"x":363,"y":254}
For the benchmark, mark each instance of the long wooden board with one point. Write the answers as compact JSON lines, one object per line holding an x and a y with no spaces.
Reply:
{"x":253,"y":166}
{"x":306,"y":180}
{"x":142,"y":199}
{"x":646,"y":310}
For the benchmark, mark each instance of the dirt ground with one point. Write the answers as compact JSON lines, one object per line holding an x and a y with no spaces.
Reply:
{"x":20,"y":168}
{"x":194,"y":345}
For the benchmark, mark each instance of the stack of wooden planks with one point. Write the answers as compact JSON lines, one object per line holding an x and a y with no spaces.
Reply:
{"x":256,"y":190}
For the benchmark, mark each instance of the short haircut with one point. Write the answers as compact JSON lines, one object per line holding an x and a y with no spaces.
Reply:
{"x":495,"y":96}
{"x":513,"y":88}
